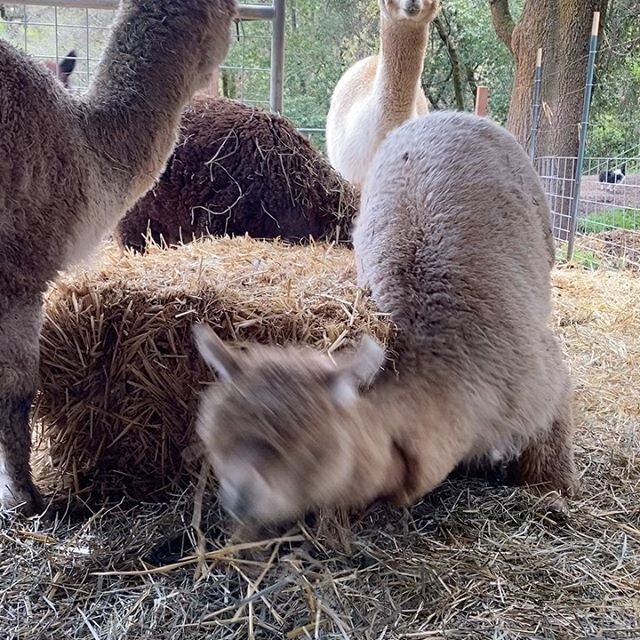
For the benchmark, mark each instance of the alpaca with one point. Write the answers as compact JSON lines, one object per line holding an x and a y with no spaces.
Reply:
{"x":70,"y":167}
{"x":379,"y":93}
{"x":235,"y":170}
{"x":63,"y":69}
{"x":450,"y":202}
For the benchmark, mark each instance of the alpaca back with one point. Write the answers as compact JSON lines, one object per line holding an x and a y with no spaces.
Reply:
{"x":454,"y":240}
{"x":239,"y":170}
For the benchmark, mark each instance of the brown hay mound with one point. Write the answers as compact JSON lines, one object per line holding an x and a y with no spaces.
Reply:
{"x":119,"y":373}
{"x":240,"y":170}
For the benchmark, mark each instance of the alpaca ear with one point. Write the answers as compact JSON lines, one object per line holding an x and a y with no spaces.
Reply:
{"x":356,"y":370}
{"x":67,"y":64}
{"x":368,"y":360}
{"x":215,"y":353}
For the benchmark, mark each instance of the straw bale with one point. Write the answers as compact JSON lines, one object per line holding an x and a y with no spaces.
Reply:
{"x":119,"y":373}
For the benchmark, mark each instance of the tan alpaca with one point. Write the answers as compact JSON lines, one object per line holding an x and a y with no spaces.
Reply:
{"x":70,"y":167}
{"x":454,"y":240}
{"x":381,"y":92}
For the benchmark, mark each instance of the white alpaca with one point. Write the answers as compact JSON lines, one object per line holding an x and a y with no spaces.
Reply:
{"x":381,"y":92}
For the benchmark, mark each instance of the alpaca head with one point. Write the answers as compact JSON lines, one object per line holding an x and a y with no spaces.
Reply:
{"x":414,"y":10}
{"x":274,"y":427}
{"x":64,"y":68}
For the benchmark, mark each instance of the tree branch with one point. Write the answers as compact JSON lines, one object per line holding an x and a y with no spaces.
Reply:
{"x":471,"y":80}
{"x":454,"y":58}
{"x":503,"y":23}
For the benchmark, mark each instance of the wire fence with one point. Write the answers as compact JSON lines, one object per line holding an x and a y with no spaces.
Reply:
{"x":48,"y":33}
{"x":595,"y":201}
{"x":607,"y":229}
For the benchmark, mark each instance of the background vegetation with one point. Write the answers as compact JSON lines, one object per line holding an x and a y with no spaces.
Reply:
{"x":325,"y":36}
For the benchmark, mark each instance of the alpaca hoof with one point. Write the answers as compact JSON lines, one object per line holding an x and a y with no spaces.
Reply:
{"x":25,"y":500}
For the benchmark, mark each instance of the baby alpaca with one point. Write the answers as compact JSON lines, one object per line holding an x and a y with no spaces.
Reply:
{"x":449,"y":204}
{"x":70,"y":167}
{"x":381,"y":92}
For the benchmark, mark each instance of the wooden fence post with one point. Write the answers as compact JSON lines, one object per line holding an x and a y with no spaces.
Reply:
{"x":482,"y":101}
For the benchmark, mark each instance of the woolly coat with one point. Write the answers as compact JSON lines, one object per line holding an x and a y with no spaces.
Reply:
{"x":239,"y":170}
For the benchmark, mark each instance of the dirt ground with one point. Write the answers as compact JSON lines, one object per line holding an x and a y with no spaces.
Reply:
{"x":596,"y":197}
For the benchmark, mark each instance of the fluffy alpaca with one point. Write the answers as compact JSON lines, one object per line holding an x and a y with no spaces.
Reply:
{"x":63,"y":69}
{"x":70,"y":167}
{"x":450,"y":202}
{"x":236,"y":170}
{"x":381,"y":92}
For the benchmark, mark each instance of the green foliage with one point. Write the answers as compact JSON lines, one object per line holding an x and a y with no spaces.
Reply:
{"x":485,"y":60}
{"x":324,"y":37}
{"x":612,"y":218}
{"x":615,"y":116}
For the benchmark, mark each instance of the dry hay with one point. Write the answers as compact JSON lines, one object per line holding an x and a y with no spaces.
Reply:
{"x":119,"y":373}
{"x":617,"y":248}
{"x":470,"y":562}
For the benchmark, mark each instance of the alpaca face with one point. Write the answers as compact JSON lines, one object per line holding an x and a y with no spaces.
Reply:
{"x":274,"y":429}
{"x":413,"y":10}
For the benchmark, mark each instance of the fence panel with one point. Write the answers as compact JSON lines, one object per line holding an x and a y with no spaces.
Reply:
{"x":48,"y":30}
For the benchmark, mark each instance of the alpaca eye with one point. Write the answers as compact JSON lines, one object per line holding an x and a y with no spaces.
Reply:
{"x":259,"y":449}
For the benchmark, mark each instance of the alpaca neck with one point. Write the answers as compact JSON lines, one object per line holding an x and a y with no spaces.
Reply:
{"x":408,"y":437}
{"x":402,"y":50}
{"x":140,"y":89}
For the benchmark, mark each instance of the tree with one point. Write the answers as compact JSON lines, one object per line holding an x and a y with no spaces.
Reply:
{"x":562,"y":28}
{"x":615,"y":124}
{"x":465,"y":53}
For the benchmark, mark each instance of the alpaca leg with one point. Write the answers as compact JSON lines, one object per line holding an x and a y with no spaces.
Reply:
{"x":547,"y":464}
{"x":19,"y":331}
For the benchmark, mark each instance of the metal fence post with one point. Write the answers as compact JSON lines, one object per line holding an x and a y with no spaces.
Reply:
{"x":277,"y":56}
{"x":577,"y":182}
{"x":275,"y":12}
{"x":535,"y":115}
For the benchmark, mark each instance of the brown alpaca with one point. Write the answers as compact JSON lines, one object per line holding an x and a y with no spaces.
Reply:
{"x":239,"y":170}
{"x":71,"y":168}
{"x":454,"y":239}
{"x":381,"y":92}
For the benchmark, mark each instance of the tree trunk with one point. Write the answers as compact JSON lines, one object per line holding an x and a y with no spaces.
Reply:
{"x":562,"y":28}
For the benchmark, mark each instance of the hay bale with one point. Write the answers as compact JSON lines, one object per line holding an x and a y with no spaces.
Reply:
{"x":238,"y":169}
{"x":119,"y":374}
